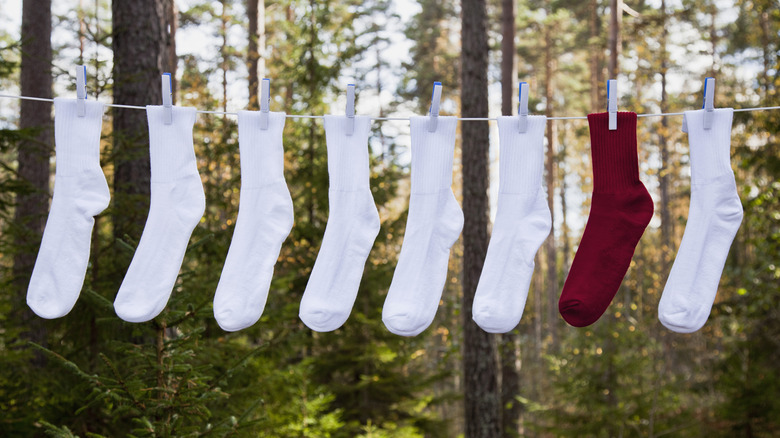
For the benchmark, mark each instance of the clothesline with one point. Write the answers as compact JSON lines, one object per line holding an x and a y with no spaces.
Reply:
{"x":465,"y":119}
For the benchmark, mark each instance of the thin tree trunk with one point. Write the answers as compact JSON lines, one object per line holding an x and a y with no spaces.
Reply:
{"x":763,"y":21}
{"x":595,"y":56}
{"x":139,"y":48}
{"x":82,"y":31}
{"x":550,"y":251}
{"x":510,"y":377}
{"x":32,"y":206}
{"x":614,"y":36}
{"x":170,"y":60}
{"x":255,"y":9}
{"x":507,"y":55}
{"x":480,"y":369}
{"x":663,"y":180}
{"x":564,"y":210}
{"x":224,"y":54}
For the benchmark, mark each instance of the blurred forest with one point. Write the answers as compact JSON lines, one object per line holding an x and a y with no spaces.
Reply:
{"x":91,"y":374}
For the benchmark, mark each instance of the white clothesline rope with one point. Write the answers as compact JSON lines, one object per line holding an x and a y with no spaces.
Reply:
{"x":466,"y":119}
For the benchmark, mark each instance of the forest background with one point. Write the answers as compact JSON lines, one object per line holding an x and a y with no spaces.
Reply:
{"x":90,"y":374}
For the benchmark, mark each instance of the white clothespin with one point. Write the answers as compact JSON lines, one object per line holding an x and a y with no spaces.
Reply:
{"x":522,"y":108}
{"x":167,"y":99}
{"x":433,"y":113}
{"x":81,"y":90}
{"x":612,"y":105}
{"x":708,"y":106}
{"x":350,"y":109}
{"x":265,"y":102}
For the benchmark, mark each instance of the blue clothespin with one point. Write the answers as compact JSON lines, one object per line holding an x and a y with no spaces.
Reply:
{"x":709,"y":102}
{"x":522,"y":108}
{"x":433,"y":113}
{"x":708,"y":105}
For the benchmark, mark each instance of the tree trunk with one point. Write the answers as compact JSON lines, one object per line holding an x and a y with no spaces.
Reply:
{"x":595,"y":56}
{"x":566,"y":256}
{"x":479,"y":348}
{"x":663,"y":179}
{"x":507,"y":55}
{"x":255,"y":9}
{"x":32,"y":206}
{"x":511,"y":409}
{"x":614,"y":36}
{"x":510,"y":377}
{"x":550,"y":251}
{"x":170,"y":60}
{"x":223,"y":53}
{"x":139,"y":48}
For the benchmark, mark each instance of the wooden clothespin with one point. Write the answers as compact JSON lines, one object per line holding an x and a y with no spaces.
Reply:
{"x":265,"y":102}
{"x":81,"y":90}
{"x":350,"y":109}
{"x":167,"y":99}
{"x":433,"y":113}
{"x":522,"y":108}
{"x":612,"y":103}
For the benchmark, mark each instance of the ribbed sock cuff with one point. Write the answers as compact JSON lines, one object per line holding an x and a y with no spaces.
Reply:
{"x":347,"y":154}
{"x":77,"y":139}
{"x":614,"y":153}
{"x":521,"y":155}
{"x":262,"y":151}
{"x":710,"y":148}
{"x":171,"y":152}
{"x":432,"y":154}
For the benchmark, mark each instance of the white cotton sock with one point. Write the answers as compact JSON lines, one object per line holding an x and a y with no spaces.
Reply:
{"x":522,"y":223}
{"x":80,"y":192}
{"x":434,"y":223}
{"x":353,"y":224}
{"x":265,"y":218}
{"x":713,"y":220}
{"x":177,"y":204}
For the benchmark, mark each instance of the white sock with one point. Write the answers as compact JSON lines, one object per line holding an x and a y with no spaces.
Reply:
{"x":177,"y":204}
{"x":80,"y":192}
{"x":713,"y":220}
{"x":353,"y":224}
{"x":522,"y":223}
{"x":434,"y":223}
{"x":265,"y":218}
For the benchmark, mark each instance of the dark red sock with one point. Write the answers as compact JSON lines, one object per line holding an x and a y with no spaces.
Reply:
{"x":620,"y":210}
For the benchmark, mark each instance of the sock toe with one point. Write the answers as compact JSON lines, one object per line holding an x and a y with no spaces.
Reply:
{"x":404,"y":322}
{"x":680,"y":321}
{"x":321,"y":320}
{"x":492,"y":317}
{"x":577,"y":313}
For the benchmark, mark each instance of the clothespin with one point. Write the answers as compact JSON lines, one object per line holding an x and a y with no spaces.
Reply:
{"x":81,"y":90}
{"x":433,"y":113}
{"x":265,"y":102}
{"x":522,"y":108}
{"x":709,"y":102}
{"x":167,"y":99}
{"x":350,"y":109}
{"x":708,"y":105}
{"x":612,"y":105}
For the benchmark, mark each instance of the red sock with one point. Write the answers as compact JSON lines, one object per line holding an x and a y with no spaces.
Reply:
{"x":620,"y":210}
